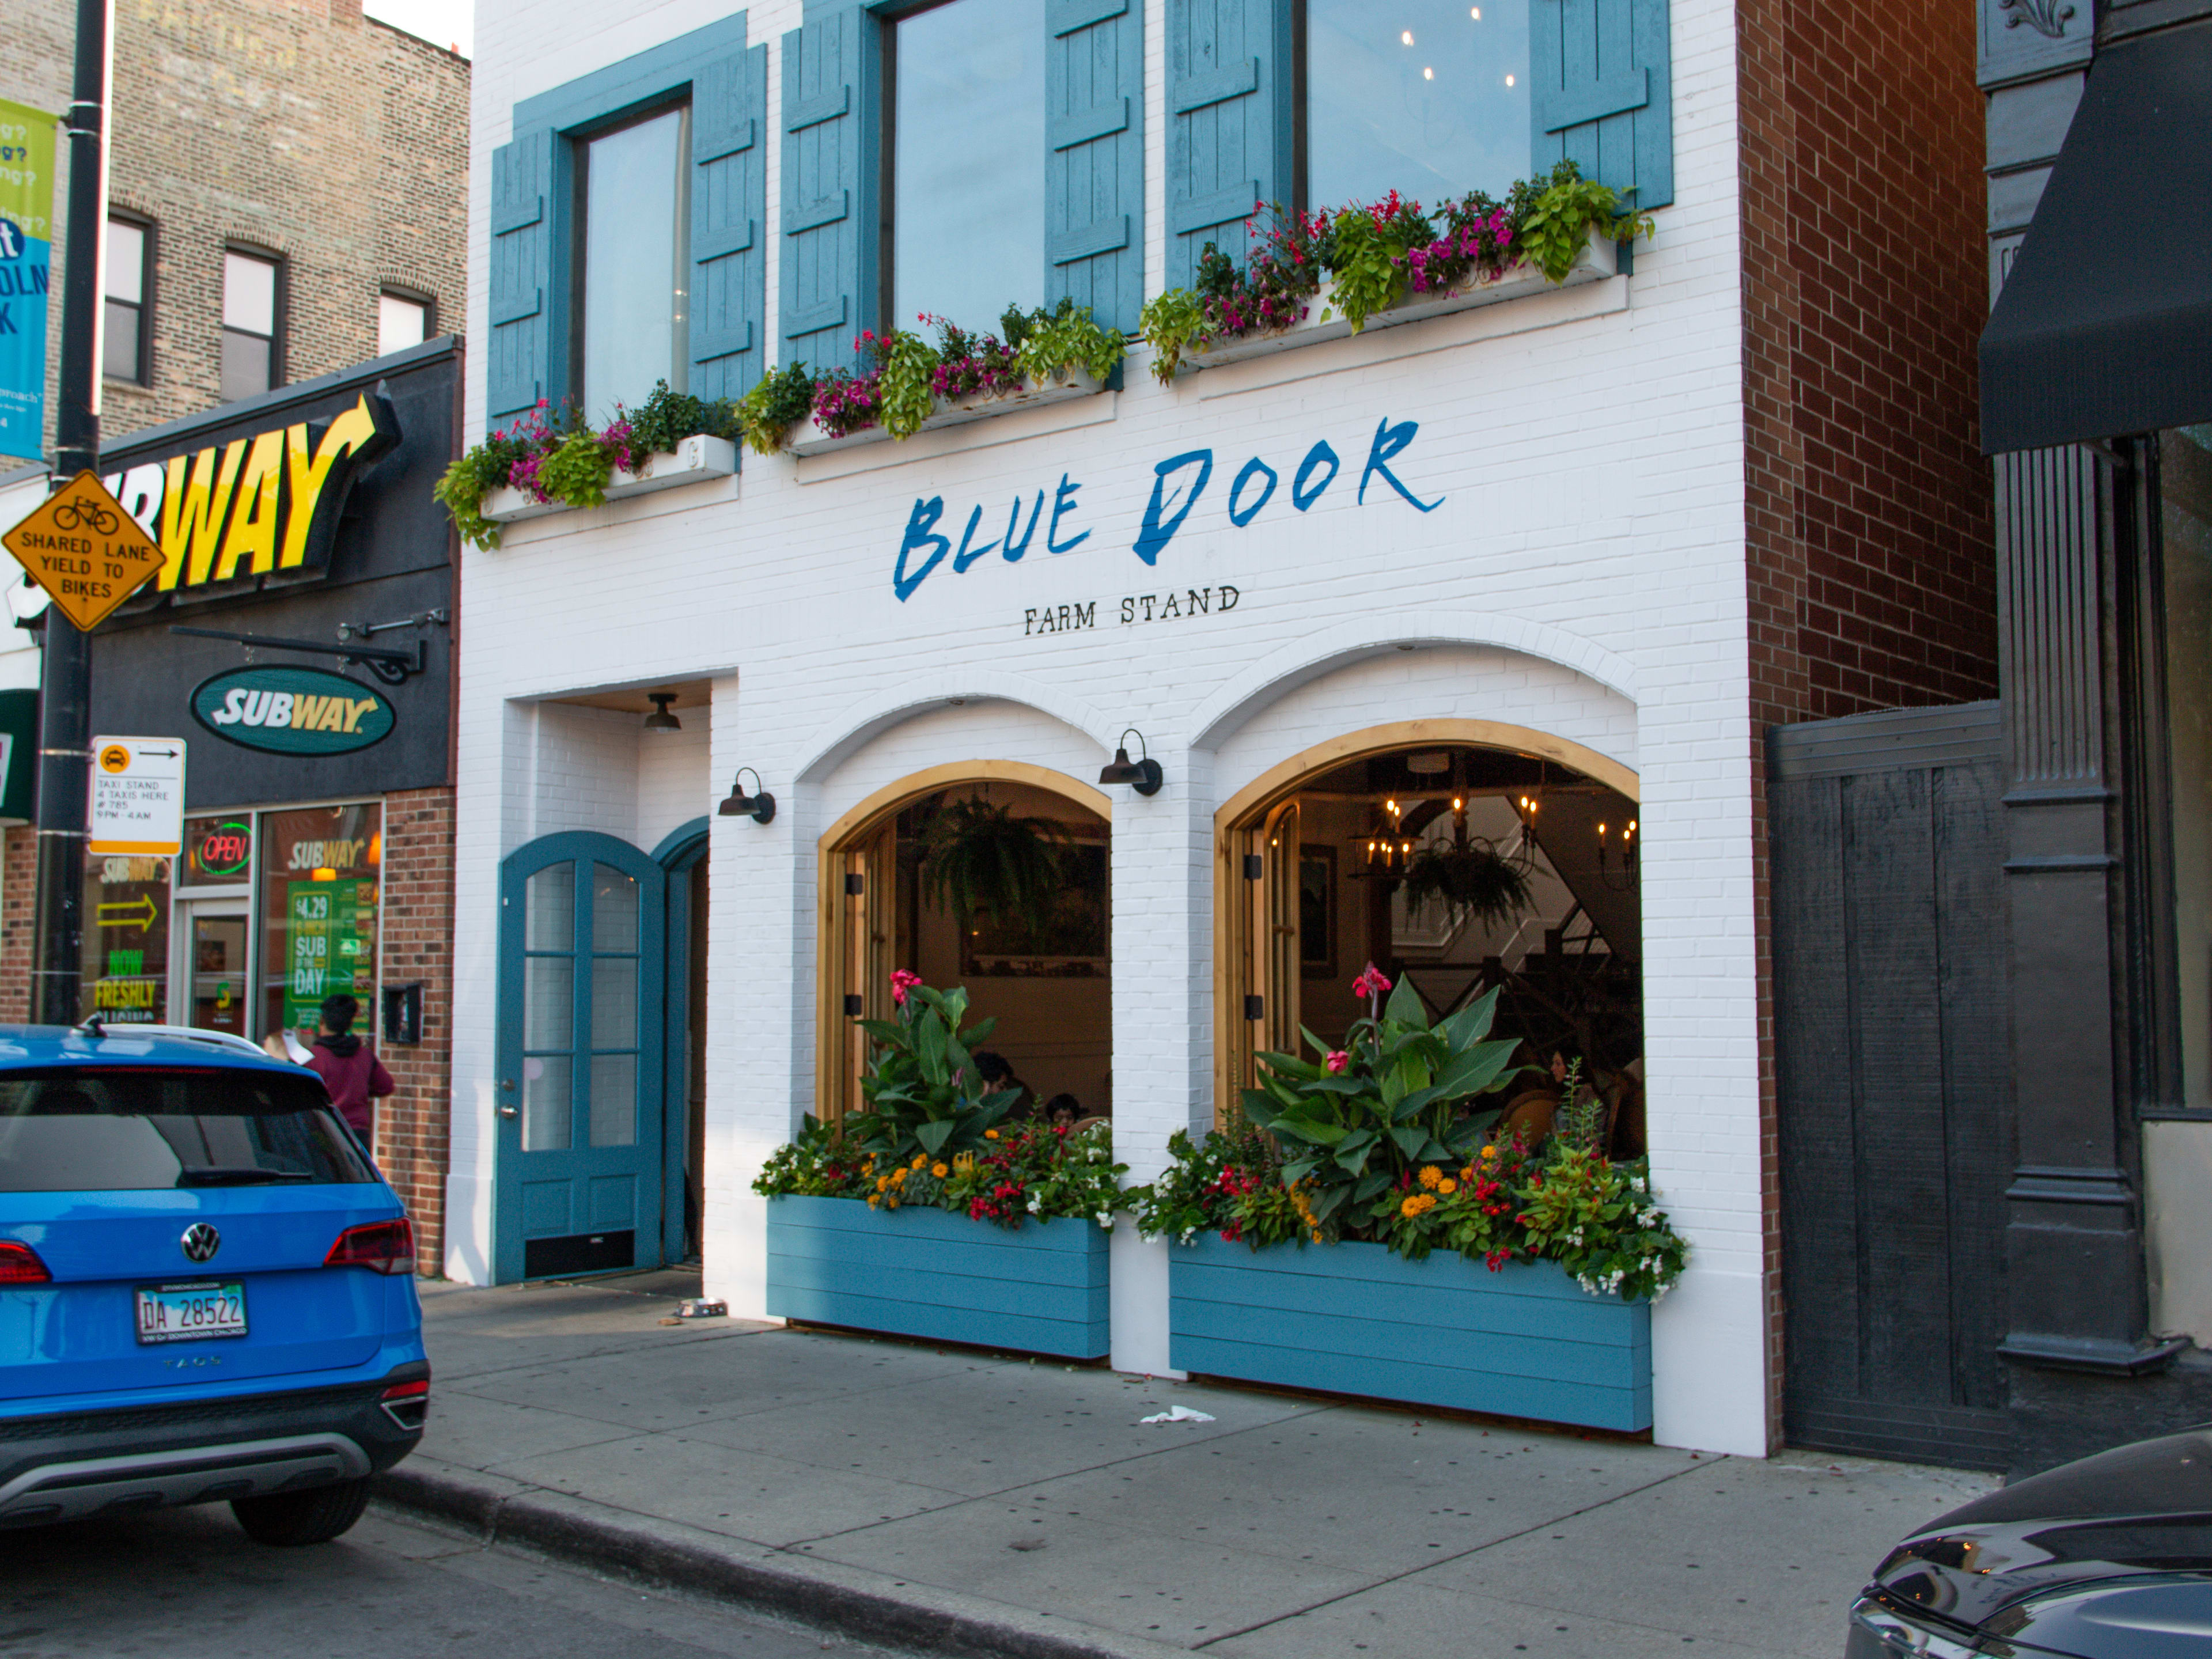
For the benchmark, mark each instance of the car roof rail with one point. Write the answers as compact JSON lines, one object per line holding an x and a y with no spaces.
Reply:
{"x":230,"y":1040}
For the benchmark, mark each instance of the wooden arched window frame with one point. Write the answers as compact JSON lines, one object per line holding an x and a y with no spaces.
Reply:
{"x":1255,"y":878}
{"x":855,"y":925}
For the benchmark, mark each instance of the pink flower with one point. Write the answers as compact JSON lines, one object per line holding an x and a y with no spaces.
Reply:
{"x":1370,"y":983}
{"x":901,"y":980}
{"x":1338,"y":1059}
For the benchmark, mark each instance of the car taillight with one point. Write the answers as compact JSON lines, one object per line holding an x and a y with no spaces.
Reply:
{"x":20,"y":1264}
{"x":388,"y":1247}
{"x":407,"y":1404}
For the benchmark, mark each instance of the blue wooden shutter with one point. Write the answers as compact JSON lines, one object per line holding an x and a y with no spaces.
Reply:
{"x":521,"y":275}
{"x":1601,"y":93}
{"x":1094,"y":164}
{"x":729,"y":185}
{"x":824,"y":196}
{"x":1229,"y":115}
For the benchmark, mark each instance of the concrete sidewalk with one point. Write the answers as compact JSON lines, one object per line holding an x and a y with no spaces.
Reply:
{"x":948,"y":1500}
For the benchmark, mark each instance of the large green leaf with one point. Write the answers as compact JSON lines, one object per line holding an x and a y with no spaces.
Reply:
{"x":1299,"y":1168}
{"x":1411,"y":1139}
{"x":929,"y":1042}
{"x":1331,"y":1200}
{"x":932,"y":1135}
{"x":1472,"y":1021}
{"x":886,"y":1032}
{"x":1313,"y":1131}
{"x":1406,"y":1006}
{"x":1261,"y":1109}
{"x":1370,"y":1185}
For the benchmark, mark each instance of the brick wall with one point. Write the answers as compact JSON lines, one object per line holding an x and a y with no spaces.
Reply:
{"x":296,"y":126}
{"x":1870,"y":547}
{"x":418,"y":944}
{"x":19,"y":933}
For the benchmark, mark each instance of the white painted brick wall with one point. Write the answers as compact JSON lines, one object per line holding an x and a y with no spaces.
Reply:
{"x":1584,"y":574}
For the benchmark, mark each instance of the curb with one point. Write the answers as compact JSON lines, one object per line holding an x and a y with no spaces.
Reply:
{"x":671,"y":1556}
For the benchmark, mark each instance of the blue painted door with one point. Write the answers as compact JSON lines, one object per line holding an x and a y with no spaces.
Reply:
{"x":582,"y":969}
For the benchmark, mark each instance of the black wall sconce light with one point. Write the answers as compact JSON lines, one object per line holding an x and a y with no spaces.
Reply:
{"x":759,"y":807}
{"x":1143,"y":774}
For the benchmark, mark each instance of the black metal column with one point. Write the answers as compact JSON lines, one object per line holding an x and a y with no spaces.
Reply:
{"x":65,"y":665}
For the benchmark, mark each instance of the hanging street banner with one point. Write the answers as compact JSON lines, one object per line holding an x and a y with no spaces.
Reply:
{"x":27,"y":237}
{"x":85,"y":551}
{"x":138,"y":805}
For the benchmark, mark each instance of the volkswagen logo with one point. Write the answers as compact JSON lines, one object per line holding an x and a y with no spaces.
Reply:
{"x":200,"y":1241}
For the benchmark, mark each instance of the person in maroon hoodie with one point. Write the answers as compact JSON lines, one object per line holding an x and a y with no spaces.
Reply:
{"x":347,"y":1067}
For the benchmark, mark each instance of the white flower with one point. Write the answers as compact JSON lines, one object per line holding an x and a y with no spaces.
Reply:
{"x":1106,"y":1221}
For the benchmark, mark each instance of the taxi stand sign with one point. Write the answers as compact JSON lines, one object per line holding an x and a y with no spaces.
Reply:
{"x":85,"y":551}
{"x":137,"y":806}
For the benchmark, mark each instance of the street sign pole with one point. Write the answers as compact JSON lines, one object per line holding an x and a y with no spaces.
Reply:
{"x":65,"y":662}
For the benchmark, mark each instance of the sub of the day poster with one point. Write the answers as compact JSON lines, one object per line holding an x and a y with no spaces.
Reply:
{"x":26,"y":235}
{"x":328,"y":928}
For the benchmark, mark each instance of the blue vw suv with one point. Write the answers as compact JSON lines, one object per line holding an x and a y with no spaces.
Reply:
{"x":206,"y":1288}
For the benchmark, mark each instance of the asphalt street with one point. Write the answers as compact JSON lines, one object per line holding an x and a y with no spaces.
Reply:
{"x":188,"y":1585}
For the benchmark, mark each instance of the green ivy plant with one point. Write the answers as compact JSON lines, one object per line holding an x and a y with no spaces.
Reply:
{"x":1048,"y":345}
{"x":1554,"y":226}
{"x":1368,"y":270}
{"x":908,"y":399}
{"x":578,"y":472}
{"x":778,"y":402}
{"x":1172,"y":323}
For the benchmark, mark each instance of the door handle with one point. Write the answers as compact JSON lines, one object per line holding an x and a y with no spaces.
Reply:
{"x":509,"y":1111}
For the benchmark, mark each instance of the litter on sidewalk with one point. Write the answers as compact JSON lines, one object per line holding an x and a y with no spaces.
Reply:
{"x":1177,"y":1414}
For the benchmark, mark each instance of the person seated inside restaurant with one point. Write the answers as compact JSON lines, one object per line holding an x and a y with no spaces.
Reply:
{"x":992,"y":1067}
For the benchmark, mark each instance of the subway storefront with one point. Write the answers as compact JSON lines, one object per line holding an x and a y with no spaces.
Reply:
{"x":298,"y":641}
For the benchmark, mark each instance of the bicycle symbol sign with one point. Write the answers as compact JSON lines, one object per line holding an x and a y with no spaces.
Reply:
{"x":85,"y":551}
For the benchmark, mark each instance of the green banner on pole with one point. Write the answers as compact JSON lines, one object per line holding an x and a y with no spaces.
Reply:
{"x":27,"y":238}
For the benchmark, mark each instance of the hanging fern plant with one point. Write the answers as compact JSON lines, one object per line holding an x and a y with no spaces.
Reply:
{"x":977,"y":856}
{"x":1474,"y":877}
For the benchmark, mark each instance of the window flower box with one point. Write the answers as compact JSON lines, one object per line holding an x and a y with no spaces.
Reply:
{"x":928,"y":1273}
{"x":697,"y":458}
{"x":1599,"y":258}
{"x":1352,"y":1318}
{"x":807,"y":437}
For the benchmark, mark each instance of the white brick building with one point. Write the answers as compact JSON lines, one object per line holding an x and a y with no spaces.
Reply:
{"x":1583,"y":587}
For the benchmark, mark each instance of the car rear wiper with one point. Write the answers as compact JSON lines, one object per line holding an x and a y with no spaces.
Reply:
{"x":249,"y":1176}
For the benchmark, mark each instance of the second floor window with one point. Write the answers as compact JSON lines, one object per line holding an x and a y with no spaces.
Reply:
{"x":251,"y":363}
{"x":634,"y":235}
{"x":1429,"y":98}
{"x":402,"y":320}
{"x":124,"y":322}
{"x":967,"y":154}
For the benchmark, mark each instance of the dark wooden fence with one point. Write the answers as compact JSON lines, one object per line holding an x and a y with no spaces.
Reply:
{"x":1893,"y":1056}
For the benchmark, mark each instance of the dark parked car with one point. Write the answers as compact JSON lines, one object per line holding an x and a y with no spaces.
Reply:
{"x":2110,"y":1557}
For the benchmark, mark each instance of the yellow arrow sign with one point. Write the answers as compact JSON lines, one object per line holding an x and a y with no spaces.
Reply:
{"x":85,"y":551}
{"x":138,"y":913}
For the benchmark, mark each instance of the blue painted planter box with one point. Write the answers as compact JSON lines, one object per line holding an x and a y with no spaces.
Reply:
{"x":1354,"y":1319}
{"x":930,"y":1273}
